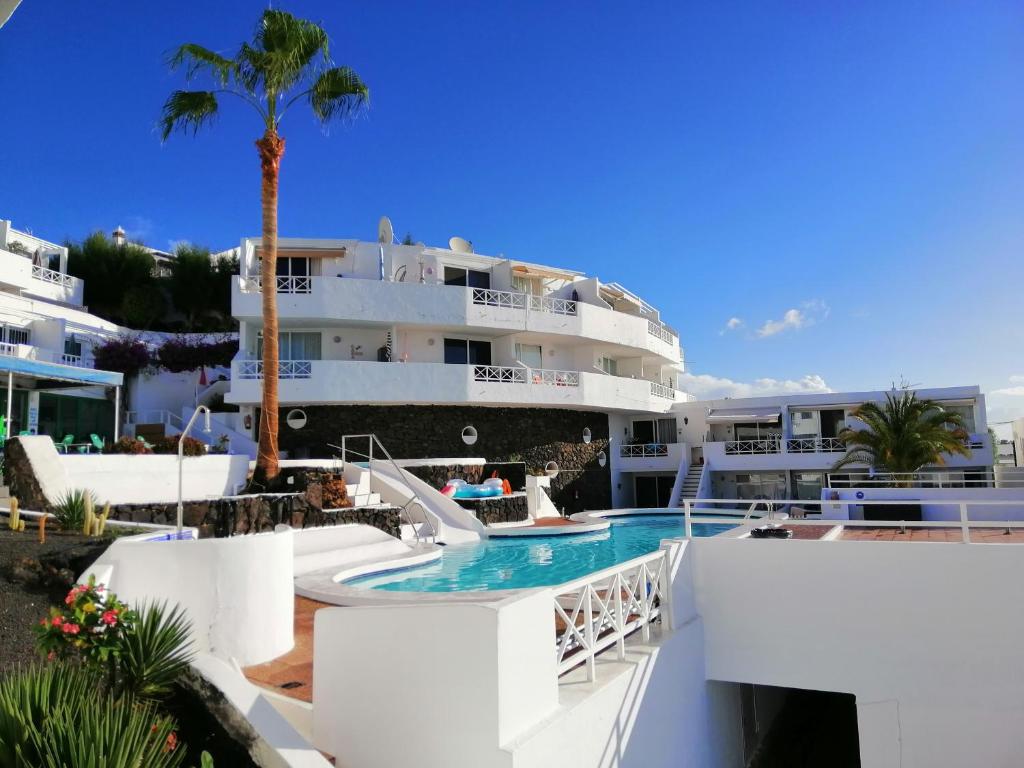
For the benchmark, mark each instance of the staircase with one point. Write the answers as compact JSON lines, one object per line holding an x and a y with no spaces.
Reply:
{"x":691,"y":483}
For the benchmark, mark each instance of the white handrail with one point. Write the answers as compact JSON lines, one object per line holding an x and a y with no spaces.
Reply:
{"x":603,"y":608}
{"x":285,"y":283}
{"x":661,"y":390}
{"x":814,"y":445}
{"x":643,"y":450}
{"x":761,"y":445}
{"x":940,"y":479}
{"x":286,"y":369}
{"x":52,"y":276}
{"x":493,"y":298}
{"x":553,"y":305}
{"x":658,"y":330}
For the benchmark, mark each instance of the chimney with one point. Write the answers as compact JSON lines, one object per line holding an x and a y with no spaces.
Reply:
{"x":119,"y":238}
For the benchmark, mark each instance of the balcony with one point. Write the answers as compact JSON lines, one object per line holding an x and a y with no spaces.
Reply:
{"x":344,"y":381}
{"x":815,"y":445}
{"x":332,"y":300}
{"x":19,"y":271}
{"x":651,"y":457}
{"x":758,"y":447}
{"x":31,"y":352}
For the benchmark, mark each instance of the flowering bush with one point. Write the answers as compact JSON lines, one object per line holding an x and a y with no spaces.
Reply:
{"x":127,"y":355}
{"x":192,"y":446}
{"x":91,"y":624}
{"x":184,"y":354}
{"x":128,"y":445}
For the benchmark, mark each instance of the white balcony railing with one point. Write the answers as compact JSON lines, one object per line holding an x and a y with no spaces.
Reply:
{"x":762,"y":446}
{"x":516,"y":375}
{"x":492,"y":298}
{"x":553,"y":305}
{"x":285,"y":284}
{"x":75,"y":360}
{"x":660,"y":331}
{"x":643,"y":450}
{"x":814,"y":445}
{"x":983,"y":478}
{"x":600,"y":610}
{"x":52,"y":276}
{"x":286,"y":369}
{"x":660,"y":390}
{"x":8,"y":350}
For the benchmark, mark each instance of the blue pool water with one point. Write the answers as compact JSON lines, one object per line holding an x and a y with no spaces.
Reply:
{"x":536,"y":561}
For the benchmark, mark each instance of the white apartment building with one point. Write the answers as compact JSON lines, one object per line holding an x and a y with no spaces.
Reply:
{"x":48,"y":381}
{"x":780,"y":447}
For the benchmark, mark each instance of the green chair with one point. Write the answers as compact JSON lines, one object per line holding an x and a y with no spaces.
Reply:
{"x":24,"y":433}
{"x":97,"y":442}
{"x":65,"y":443}
{"x":145,"y":443}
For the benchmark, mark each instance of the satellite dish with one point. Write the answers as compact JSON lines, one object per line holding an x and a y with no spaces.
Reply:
{"x":460,"y":245}
{"x":385,"y":232}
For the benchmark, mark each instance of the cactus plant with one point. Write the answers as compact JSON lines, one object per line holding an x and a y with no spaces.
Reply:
{"x":14,"y":521}
{"x":101,"y":521}
{"x":87,"y":522}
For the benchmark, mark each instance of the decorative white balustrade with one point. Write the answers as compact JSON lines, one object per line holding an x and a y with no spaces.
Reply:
{"x":513,"y":300}
{"x":553,"y":305}
{"x":643,"y":450}
{"x":515,"y":375}
{"x":52,"y":276}
{"x":753,"y":447}
{"x":661,"y":331}
{"x":600,"y":610}
{"x":285,"y":284}
{"x":75,"y":360}
{"x":814,"y":445}
{"x":8,"y":350}
{"x":492,"y":298}
{"x":660,"y":390}
{"x":286,"y":369}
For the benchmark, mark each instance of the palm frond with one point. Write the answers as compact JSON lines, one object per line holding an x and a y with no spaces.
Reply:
{"x":198,"y":59}
{"x":286,"y":45}
{"x":187,"y":111}
{"x":338,"y":92}
{"x":156,"y":650}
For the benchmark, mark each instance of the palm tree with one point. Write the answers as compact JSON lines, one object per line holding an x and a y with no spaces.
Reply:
{"x":286,"y":62}
{"x":903,"y":435}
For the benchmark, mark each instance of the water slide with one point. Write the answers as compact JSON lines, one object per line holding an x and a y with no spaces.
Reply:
{"x":452,"y":524}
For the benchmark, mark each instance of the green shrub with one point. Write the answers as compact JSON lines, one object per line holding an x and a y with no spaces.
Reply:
{"x":155,"y":651}
{"x":128,"y":445}
{"x":192,"y":447}
{"x":58,"y":715}
{"x":70,"y":509}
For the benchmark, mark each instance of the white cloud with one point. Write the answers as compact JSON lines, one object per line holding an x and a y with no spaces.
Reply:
{"x":732,"y":324}
{"x":810,"y":312}
{"x":1015,"y":390}
{"x":707,"y":387}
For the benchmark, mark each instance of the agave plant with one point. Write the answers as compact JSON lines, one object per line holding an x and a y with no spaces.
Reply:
{"x":70,"y":509}
{"x":155,"y":651}
{"x":903,"y":435}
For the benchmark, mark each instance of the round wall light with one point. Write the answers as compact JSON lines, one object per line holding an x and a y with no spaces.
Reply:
{"x":430,"y":342}
{"x":551,"y":469}
{"x":296,"y":418}
{"x":586,"y":435}
{"x":469,"y":435}
{"x":602,"y":458}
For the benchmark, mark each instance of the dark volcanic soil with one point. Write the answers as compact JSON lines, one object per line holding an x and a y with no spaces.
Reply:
{"x":33,"y":577}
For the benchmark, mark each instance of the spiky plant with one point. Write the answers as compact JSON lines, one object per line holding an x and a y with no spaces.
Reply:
{"x":59,"y":715}
{"x":155,"y":651}
{"x":903,"y":435}
{"x":287,"y":62}
{"x":71,"y":509}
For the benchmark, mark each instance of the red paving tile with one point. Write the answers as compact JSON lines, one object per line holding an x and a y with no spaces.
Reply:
{"x":951,"y":534}
{"x":296,"y":666}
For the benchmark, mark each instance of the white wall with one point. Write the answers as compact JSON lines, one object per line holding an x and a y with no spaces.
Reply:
{"x":238,"y":592}
{"x":933,"y":511}
{"x":123,"y":479}
{"x":926,"y":636}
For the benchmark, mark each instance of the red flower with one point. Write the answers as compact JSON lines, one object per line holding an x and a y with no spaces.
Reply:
{"x":109,"y":618}
{"x":72,"y":629}
{"x":51,"y":656}
{"x":44,"y":623}
{"x":172,"y":742}
{"x":57,"y":620}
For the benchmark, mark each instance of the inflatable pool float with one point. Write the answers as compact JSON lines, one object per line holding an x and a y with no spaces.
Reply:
{"x":460,"y":489}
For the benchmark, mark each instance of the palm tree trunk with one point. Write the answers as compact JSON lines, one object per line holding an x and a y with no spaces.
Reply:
{"x":271,"y":148}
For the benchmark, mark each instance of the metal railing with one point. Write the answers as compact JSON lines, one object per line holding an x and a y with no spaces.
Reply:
{"x":154,"y":416}
{"x":500,"y":374}
{"x":553,"y":305}
{"x":814,"y":445}
{"x":554,"y":378}
{"x":758,"y":446}
{"x":52,"y":276}
{"x":643,"y":450}
{"x":661,"y":390}
{"x":600,"y":610}
{"x":413,"y":500}
{"x":961,"y":522}
{"x":286,"y":369}
{"x":935,"y":479}
{"x":660,"y":331}
{"x":507,"y":374}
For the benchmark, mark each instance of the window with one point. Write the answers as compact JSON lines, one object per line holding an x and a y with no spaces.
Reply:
{"x":297,"y":266}
{"x":463,"y":351}
{"x":666,"y":430}
{"x":12,"y":334}
{"x":468,"y":277}
{"x":522,"y":285}
{"x":293,"y":345}
{"x":805,"y":423}
{"x":643,"y":431}
{"x":72,"y":346}
{"x":966,"y":413}
{"x":807,"y":485}
{"x":609,"y":366}
{"x":530,"y":355}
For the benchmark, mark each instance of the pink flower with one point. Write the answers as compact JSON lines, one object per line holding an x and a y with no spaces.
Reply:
{"x":57,"y":621}
{"x":44,"y":623}
{"x":109,"y":618}
{"x":51,"y":656}
{"x":70,"y":598}
{"x":72,"y":629}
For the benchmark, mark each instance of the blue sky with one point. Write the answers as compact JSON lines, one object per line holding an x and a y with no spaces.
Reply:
{"x":844,"y":180}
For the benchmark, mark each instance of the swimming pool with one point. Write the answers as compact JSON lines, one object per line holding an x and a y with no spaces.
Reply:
{"x":536,"y":561}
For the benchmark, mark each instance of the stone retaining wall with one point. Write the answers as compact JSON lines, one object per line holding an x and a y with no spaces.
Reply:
{"x":436,"y":475}
{"x":498,"y":509}
{"x":533,"y":436}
